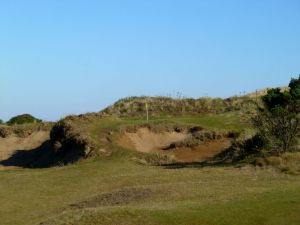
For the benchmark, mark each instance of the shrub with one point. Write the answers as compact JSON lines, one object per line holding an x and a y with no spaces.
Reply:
{"x":243,"y":149}
{"x":254,"y":145}
{"x":274,"y":161}
{"x":23,"y":119}
{"x":278,"y":119}
{"x":5,"y":131}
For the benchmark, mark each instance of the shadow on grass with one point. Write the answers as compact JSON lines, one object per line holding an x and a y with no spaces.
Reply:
{"x":212,"y":162}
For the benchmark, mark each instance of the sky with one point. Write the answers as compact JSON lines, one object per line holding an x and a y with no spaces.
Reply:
{"x":60,"y":57}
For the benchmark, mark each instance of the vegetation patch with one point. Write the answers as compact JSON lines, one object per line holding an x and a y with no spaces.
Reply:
{"x":23,"y":119}
{"x":70,"y":142}
{"x":116,"y":198}
{"x":288,"y":162}
{"x":158,"y":106}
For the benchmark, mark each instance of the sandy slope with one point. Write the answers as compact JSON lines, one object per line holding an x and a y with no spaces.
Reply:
{"x":10,"y":144}
{"x":201,"y":152}
{"x":145,"y":140}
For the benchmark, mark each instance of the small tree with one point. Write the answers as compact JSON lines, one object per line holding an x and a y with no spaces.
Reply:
{"x":278,"y":119}
{"x":23,"y":119}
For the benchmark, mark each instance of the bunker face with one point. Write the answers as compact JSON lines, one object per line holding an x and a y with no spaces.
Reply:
{"x":9,"y":145}
{"x":147,"y":141}
{"x":201,"y":152}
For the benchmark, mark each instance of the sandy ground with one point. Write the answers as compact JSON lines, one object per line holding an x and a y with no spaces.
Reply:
{"x":145,"y":140}
{"x":11,"y":144}
{"x":202,"y":152}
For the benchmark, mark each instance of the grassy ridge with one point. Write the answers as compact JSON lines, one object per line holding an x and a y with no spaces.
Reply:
{"x":163,"y":106}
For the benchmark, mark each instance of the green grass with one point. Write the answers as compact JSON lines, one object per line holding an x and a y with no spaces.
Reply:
{"x":229,"y":121}
{"x":183,"y":196}
{"x":247,"y":211}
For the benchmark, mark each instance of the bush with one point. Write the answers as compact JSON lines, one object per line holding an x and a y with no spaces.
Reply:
{"x":23,"y":119}
{"x":5,"y":131}
{"x":1,"y":121}
{"x":278,"y":119}
{"x":243,"y":149}
{"x":254,"y":145}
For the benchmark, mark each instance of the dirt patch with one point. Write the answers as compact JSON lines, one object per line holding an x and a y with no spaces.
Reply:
{"x":11,"y":144}
{"x":120,"y":197}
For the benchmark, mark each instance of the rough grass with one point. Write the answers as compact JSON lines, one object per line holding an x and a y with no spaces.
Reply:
{"x":24,"y":130}
{"x":137,"y":194}
{"x":288,"y":162}
{"x":158,"y":106}
{"x":225,"y":121}
{"x":229,"y":121}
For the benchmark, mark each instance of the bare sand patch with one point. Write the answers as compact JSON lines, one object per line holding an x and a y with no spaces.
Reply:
{"x":201,"y":152}
{"x":13,"y":143}
{"x":147,"y":141}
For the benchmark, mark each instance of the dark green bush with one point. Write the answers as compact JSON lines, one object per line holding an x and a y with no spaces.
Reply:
{"x":253,"y":145}
{"x":278,"y":119}
{"x":23,"y":119}
{"x":240,"y":150}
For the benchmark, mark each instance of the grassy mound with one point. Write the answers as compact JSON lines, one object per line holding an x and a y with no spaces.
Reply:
{"x":158,"y":106}
{"x":24,"y":130}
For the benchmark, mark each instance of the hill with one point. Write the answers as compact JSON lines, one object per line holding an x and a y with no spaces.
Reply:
{"x":98,"y":134}
{"x":115,"y":167}
{"x":165,"y":106}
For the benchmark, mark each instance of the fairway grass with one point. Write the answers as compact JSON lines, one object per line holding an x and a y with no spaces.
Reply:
{"x":176,"y":196}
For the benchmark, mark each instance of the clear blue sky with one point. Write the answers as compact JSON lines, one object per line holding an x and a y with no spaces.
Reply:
{"x":59,"y":57}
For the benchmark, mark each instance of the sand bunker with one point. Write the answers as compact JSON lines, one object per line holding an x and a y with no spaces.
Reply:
{"x":145,"y":140}
{"x":11,"y":144}
{"x":201,"y":152}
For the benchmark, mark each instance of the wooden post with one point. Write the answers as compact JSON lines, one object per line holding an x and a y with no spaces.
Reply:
{"x":147,"y":111}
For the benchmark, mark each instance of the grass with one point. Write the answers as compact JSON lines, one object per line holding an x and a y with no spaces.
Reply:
{"x":234,"y":212}
{"x":228,"y":121}
{"x":288,"y":162}
{"x":184,"y":196}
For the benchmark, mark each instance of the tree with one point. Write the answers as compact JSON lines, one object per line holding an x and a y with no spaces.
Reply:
{"x":1,"y":121}
{"x":278,"y":119}
{"x":22,"y":119}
